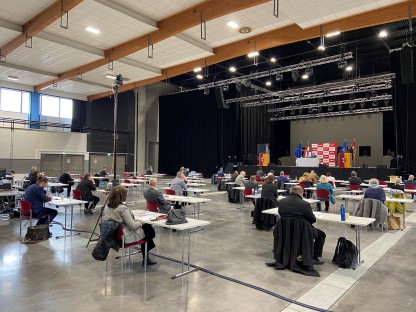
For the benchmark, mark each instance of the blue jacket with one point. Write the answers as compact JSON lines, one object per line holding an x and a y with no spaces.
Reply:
{"x":36,"y":196}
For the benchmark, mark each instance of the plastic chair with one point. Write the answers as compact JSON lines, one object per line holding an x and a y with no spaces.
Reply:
{"x":170,"y":192}
{"x":26,"y":214}
{"x":152,"y":206}
{"x":76,"y":194}
{"x":248,"y":191}
{"x":409,"y":187}
{"x":323,"y":196}
{"x":119,"y":235}
{"x":382,"y":183}
{"x":258,"y":178}
{"x":355,"y":187}
{"x":332,"y":183}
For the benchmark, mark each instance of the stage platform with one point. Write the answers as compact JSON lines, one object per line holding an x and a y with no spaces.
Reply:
{"x":339,"y":173}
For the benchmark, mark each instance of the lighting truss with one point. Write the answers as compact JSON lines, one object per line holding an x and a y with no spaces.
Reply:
{"x":274,"y":71}
{"x":335,"y":114}
{"x":326,"y":104}
{"x":333,"y":88}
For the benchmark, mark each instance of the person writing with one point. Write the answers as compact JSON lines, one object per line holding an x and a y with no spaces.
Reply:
{"x":35,"y":194}
{"x":134,"y":230}
{"x":240,"y":178}
{"x":86,"y":186}
{"x":65,"y":178}
{"x":269,"y":189}
{"x":178,"y":184}
{"x":152,"y":194}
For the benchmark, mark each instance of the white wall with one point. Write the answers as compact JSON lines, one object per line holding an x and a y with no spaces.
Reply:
{"x":367,"y":129}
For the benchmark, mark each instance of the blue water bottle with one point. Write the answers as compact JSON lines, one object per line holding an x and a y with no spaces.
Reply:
{"x":342,"y":211}
{"x":391,"y":193}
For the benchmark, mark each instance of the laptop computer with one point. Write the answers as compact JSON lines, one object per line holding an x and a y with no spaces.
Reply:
{"x":103,"y":185}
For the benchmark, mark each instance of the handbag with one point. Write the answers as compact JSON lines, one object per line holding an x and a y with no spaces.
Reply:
{"x":393,"y":222}
{"x":37,"y":232}
{"x":176,"y":216}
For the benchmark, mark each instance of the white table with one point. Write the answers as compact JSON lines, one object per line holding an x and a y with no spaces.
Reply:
{"x":195,"y":184}
{"x":56,"y":184}
{"x":331,"y":217}
{"x":186,"y":228}
{"x":195,"y":201}
{"x":197,"y":191}
{"x":402,"y":201}
{"x":307,"y":162}
{"x":348,"y":197}
{"x":67,"y":203}
{"x":241,"y":189}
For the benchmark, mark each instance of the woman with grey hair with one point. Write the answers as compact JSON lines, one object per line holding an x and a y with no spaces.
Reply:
{"x":324,"y":185}
{"x":375,"y":191}
{"x":397,"y":185}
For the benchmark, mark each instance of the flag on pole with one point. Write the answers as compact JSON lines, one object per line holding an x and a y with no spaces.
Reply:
{"x":343,"y":147}
{"x":353,"y":149}
{"x":305,"y":154}
{"x":298,"y":151}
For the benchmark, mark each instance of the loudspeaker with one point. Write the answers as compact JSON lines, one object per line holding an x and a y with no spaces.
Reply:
{"x":219,"y":96}
{"x":364,"y":165}
{"x":406,"y":64}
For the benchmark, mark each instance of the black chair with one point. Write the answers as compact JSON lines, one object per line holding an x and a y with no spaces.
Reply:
{"x":261,"y":220}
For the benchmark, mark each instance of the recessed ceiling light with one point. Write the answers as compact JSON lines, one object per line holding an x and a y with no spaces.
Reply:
{"x":253,"y":54}
{"x":197,"y":69}
{"x":268,"y":83}
{"x":92,"y":30}
{"x":383,"y":34}
{"x":321,"y":47}
{"x":273,"y":60}
{"x":305,"y":76}
{"x":332,"y":34}
{"x":199,"y":76}
{"x":348,"y":68}
{"x":232,"y":24}
{"x":232,"y":69}
{"x":12,"y":78}
{"x":111,"y":77}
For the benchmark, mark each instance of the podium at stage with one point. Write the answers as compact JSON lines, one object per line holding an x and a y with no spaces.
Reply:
{"x":344,"y":160}
{"x":264,"y":159}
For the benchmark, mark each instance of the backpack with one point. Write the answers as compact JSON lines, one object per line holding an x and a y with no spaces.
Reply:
{"x":346,"y":254}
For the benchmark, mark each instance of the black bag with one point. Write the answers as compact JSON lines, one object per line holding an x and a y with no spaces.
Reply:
{"x":176,"y":216}
{"x":37,"y":232}
{"x":346,"y":254}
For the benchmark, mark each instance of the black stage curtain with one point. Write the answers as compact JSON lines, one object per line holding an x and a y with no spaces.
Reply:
{"x":78,"y":115}
{"x":404,"y":96}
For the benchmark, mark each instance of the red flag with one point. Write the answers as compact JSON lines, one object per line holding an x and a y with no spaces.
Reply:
{"x":306,"y":151}
{"x":353,"y":148}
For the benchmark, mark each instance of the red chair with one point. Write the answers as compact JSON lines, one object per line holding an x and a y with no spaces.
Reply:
{"x":76,"y":194}
{"x":152,"y":206}
{"x":332,"y":183}
{"x":26,"y":214}
{"x":127,"y":181}
{"x":170,"y":192}
{"x":382,"y":183}
{"x":410,"y":187}
{"x":248,"y":191}
{"x":258,"y":178}
{"x":120,"y":237}
{"x":355,"y":187}
{"x":323,"y":196}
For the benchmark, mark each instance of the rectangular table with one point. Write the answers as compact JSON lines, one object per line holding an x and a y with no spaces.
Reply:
{"x":66,"y":203}
{"x":197,"y":191}
{"x":336,"y":218}
{"x":348,"y":197}
{"x":195,"y":201}
{"x":186,"y":229}
{"x":402,"y":201}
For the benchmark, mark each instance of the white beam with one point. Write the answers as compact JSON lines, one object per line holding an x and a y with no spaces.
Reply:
{"x":194,"y":42}
{"x":128,"y":12}
{"x":91,"y":83}
{"x":10,"y":25}
{"x":140,"y":65}
{"x":28,"y":69}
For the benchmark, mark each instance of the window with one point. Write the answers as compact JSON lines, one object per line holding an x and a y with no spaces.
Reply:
{"x":56,"y":107}
{"x":14,"y":101}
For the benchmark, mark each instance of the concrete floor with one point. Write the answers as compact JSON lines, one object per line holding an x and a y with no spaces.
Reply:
{"x":61,"y":275}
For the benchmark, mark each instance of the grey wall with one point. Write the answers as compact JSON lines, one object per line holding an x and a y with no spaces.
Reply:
{"x":366,"y":129}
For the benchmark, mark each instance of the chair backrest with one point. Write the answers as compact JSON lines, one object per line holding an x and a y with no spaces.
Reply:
{"x":409,"y":187}
{"x":134,"y":178}
{"x":324,"y":194}
{"x":331,"y":182}
{"x":382,"y":183}
{"x":247,"y":191}
{"x":170,"y":192}
{"x":119,"y":233}
{"x":355,"y":187}
{"x":258,"y":178}
{"x":152,"y":206}
{"x":127,"y":181}
{"x":81,"y":177}
{"x":76,"y":194}
{"x":25,"y":207}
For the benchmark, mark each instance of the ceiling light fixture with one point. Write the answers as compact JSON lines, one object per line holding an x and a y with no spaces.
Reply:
{"x":322,"y":40}
{"x":232,"y":69}
{"x":199,"y":76}
{"x":12,"y":78}
{"x":92,"y":30}
{"x":382,"y":34}
{"x":305,"y":76}
{"x":321,"y":48}
{"x":273,"y":60}
{"x":348,"y":68}
{"x":197,"y":69}
{"x":232,"y":24}
{"x":268,"y":83}
{"x":253,"y":54}
{"x":332,"y":34}
{"x":111,"y":77}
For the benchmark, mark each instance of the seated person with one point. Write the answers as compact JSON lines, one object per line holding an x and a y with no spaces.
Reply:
{"x":103,"y":172}
{"x":269,"y":189}
{"x":329,"y":177}
{"x":410,"y":181}
{"x":260,"y":172}
{"x":149,"y":170}
{"x":220,"y":173}
{"x":252,"y":183}
{"x":33,"y":179}
{"x":305,"y":178}
{"x":86,"y":186}
{"x":178,"y":184}
{"x":375,"y":191}
{"x":134,"y":230}
{"x":186,"y":172}
{"x":240,"y":178}
{"x":152,"y":194}
{"x":234,"y":176}
{"x":294,"y":206}
{"x":272,"y":172}
{"x":324,"y":185}
{"x":353,"y":179}
{"x":282,"y":179}
{"x":35,"y":194}
{"x":65,"y":178}
{"x":397,"y":185}
{"x":313,"y":176}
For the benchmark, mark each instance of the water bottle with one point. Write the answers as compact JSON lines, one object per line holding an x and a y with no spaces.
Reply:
{"x":296,"y":178}
{"x":391,"y":193}
{"x":342,"y":211}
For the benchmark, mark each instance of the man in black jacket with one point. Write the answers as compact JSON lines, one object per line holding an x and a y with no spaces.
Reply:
{"x":86,"y":186}
{"x":65,"y":178}
{"x":294,"y":206}
{"x":269,"y":189}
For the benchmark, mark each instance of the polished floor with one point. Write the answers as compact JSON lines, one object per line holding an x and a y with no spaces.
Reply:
{"x":61,"y":275}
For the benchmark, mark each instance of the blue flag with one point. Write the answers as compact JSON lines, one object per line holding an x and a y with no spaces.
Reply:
{"x":343,"y":147}
{"x":298,"y":151}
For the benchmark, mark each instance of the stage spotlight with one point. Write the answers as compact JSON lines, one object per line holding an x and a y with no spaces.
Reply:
{"x":351,"y":106}
{"x":225,"y":88}
{"x":292,"y":112}
{"x":206,"y":91}
{"x":340,"y":107}
{"x":330,"y":108}
{"x":374,"y":103}
{"x":238,"y":87}
{"x":279,"y":77}
{"x":362,"y":104}
{"x":386,"y":102}
{"x":342,"y":64}
{"x":309,"y":71}
{"x":295,"y":75}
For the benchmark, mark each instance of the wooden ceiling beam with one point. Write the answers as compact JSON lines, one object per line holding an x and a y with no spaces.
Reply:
{"x":38,"y":23}
{"x":282,"y":36}
{"x":168,"y":27}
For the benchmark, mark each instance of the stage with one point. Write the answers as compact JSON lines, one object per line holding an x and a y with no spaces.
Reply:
{"x":338,"y":173}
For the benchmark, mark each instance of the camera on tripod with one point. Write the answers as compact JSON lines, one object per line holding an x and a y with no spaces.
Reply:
{"x":119,"y":80}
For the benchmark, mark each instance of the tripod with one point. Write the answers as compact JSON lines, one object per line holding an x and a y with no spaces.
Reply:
{"x":100,"y":217}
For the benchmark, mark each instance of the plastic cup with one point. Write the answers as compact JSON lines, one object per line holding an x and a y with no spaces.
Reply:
{"x":347,"y":215}
{"x":62,"y":197}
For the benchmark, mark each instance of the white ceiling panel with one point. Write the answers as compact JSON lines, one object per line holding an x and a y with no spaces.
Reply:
{"x":114,"y":27}
{"x":49,"y":56}
{"x":259,"y":18}
{"x":25,"y":77}
{"x":127,"y":71}
{"x":7,"y":35}
{"x":315,"y":12}
{"x":78,"y":88}
{"x":170,"y":52}
{"x":20,"y":11}
{"x":157,"y":10}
